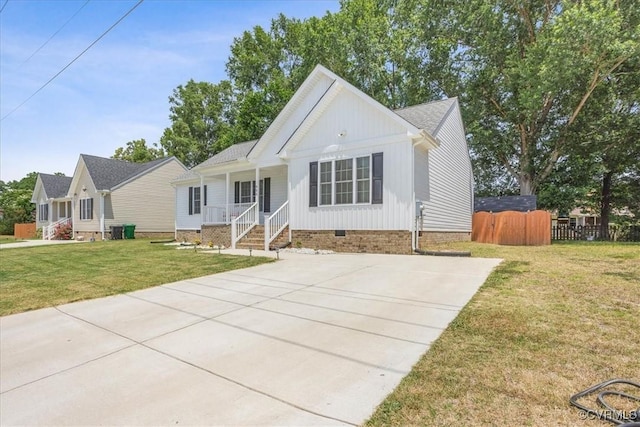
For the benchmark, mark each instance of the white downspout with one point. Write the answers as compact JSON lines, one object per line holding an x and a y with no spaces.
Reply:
{"x":258,"y":193}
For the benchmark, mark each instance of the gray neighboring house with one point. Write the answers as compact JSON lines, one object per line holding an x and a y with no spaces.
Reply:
{"x":105,"y":192}
{"x":336,"y":170}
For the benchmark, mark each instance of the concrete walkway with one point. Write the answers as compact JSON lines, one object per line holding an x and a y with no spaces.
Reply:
{"x":39,"y":242}
{"x":308,"y":340}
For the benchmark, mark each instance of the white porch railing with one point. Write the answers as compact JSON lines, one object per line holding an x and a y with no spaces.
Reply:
{"x":275,"y":223}
{"x":49,"y":231}
{"x":244,"y":223}
{"x":223,"y":214}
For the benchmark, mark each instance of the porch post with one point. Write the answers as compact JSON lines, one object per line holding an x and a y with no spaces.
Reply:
{"x":258,"y":193}
{"x":50,"y":209}
{"x":227,"y":216}
{"x":102,"y":215}
{"x":203,"y":217}
{"x":73,"y":215}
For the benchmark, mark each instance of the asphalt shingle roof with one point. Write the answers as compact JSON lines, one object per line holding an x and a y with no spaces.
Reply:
{"x":55,"y":186}
{"x":229,"y":154}
{"x":426,"y":116}
{"x":108,"y":173}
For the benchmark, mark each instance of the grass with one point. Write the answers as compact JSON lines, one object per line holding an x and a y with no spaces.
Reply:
{"x":549,"y":322}
{"x":9,"y":239}
{"x":46,"y":276}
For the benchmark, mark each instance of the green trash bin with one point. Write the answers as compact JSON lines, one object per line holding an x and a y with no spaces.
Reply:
{"x":129,"y":231}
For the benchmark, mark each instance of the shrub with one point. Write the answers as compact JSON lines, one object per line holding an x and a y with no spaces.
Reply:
{"x":63,"y":232}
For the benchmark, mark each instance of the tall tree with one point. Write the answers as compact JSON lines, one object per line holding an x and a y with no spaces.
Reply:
{"x":137,"y":151}
{"x":201,"y":119}
{"x":525,"y":72}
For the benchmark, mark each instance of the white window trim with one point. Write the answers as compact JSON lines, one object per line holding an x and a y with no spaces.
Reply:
{"x":354,"y":180}
{"x":83,"y":209}
{"x":196,"y":201}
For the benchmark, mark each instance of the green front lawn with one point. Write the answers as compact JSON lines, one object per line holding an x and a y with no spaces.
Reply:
{"x":9,"y":239}
{"x":45,"y":276}
{"x":549,"y":322}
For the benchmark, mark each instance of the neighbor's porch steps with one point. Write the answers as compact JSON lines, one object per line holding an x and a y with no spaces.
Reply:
{"x":254,"y":239}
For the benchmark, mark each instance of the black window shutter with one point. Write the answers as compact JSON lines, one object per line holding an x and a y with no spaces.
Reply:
{"x":377,"y":172}
{"x":190,"y":200}
{"x":267,"y":194}
{"x":205,"y":195}
{"x":313,"y":184}
{"x":236,"y":192}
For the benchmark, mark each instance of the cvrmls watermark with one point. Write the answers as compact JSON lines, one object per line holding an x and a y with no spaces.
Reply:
{"x":608,"y":414}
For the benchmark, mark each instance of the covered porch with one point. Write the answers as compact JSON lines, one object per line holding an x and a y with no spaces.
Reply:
{"x":245,"y":199}
{"x":54,"y":213}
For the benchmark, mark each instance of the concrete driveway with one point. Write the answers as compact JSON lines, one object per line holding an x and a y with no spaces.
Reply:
{"x":309,"y":340}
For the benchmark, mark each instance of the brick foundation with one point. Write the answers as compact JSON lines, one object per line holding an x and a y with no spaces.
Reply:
{"x":369,"y":241}
{"x":431,"y":237}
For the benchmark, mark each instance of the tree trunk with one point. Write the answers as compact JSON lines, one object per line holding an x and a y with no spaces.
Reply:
{"x":526,"y":184}
{"x":605,"y":205}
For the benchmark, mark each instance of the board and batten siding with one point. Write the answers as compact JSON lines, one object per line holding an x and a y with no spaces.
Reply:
{"x":450,"y":203}
{"x":297,"y":112}
{"x":92,"y":225}
{"x":148,"y":201}
{"x":184,"y":221}
{"x":350,"y":127}
{"x":395,"y":212}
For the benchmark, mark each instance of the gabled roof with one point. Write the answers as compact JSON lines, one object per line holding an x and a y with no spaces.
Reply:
{"x":55,"y":186}
{"x":109,"y":173}
{"x":235,"y":152}
{"x":427,"y":116}
{"x":337,"y":84}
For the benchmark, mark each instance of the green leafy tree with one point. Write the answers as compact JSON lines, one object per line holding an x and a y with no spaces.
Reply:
{"x":201,"y":119}
{"x":524,"y":73}
{"x":15,"y":201}
{"x":137,"y":151}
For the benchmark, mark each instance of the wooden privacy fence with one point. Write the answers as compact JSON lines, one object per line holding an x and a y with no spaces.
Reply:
{"x":512,"y":228}
{"x":24,"y":231}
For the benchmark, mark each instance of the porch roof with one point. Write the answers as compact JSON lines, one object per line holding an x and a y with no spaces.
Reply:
{"x":230,"y":154}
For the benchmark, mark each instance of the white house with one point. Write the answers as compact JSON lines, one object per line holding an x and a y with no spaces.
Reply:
{"x":105,"y":192}
{"x":336,"y":170}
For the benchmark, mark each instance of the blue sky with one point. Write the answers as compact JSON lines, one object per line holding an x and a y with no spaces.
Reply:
{"x":118,"y":90}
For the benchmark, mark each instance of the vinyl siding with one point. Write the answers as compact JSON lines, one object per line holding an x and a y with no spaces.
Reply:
{"x":148,"y":201}
{"x":393,"y":214}
{"x":268,"y":155}
{"x":216,"y":193}
{"x":86,"y":182}
{"x":450,"y":204}
{"x":184,"y":221}
{"x":421,"y":173}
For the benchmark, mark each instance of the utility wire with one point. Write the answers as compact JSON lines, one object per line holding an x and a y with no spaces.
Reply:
{"x":54,"y":34}
{"x":73,"y":60}
{"x":5,"y":3}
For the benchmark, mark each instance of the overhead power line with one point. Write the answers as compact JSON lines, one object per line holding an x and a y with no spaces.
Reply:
{"x":3,"y":5}
{"x":54,"y":34}
{"x":73,"y":60}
